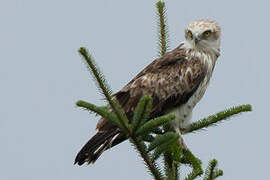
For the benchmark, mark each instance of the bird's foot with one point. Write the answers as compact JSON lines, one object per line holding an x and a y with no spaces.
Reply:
{"x":181,"y":140}
{"x":182,"y":143}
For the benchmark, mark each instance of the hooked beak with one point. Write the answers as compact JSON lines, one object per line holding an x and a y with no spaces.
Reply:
{"x":197,"y":39}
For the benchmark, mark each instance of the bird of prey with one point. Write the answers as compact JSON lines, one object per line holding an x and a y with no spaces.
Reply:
{"x":176,"y":82}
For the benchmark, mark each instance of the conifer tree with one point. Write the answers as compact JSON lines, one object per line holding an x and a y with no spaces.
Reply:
{"x":150,"y":137}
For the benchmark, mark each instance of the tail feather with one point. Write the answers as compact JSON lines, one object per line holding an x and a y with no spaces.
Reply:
{"x":96,"y":146}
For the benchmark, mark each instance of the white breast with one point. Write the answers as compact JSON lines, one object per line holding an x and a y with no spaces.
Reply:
{"x":183,"y":113}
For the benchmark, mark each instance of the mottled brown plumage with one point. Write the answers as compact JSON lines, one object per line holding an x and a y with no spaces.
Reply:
{"x":170,"y":80}
{"x":176,"y":82}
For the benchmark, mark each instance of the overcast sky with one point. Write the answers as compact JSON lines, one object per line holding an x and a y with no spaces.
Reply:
{"x":42,"y":76}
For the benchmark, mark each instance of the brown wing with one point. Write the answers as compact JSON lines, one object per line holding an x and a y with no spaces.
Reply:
{"x":170,"y":80}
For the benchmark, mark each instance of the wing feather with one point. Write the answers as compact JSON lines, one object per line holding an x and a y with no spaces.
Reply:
{"x":170,"y":81}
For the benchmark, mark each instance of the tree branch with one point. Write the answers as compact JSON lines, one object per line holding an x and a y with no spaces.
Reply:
{"x":213,"y":119}
{"x":117,"y":109}
{"x":140,"y":146}
{"x":162,"y":27}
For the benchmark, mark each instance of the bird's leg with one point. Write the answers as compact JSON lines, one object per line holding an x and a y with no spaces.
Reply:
{"x":181,"y":140}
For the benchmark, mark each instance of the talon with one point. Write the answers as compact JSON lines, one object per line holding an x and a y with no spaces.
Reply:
{"x":181,"y":140}
{"x":182,"y":144}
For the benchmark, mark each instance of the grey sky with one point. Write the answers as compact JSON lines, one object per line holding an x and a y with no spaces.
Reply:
{"x":42,"y":76}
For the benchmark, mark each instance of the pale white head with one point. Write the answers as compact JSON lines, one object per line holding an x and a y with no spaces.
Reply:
{"x":203,"y":35}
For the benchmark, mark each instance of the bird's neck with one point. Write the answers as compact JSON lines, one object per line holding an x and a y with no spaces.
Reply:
{"x":207,"y":55}
{"x":213,"y":51}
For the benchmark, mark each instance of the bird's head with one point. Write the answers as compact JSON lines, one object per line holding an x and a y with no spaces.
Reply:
{"x":203,"y":35}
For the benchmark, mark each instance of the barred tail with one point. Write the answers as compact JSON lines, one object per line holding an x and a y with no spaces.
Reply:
{"x":96,"y":146}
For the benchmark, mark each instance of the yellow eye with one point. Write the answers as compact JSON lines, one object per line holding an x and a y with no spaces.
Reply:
{"x":190,"y":34}
{"x":207,"y":33}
